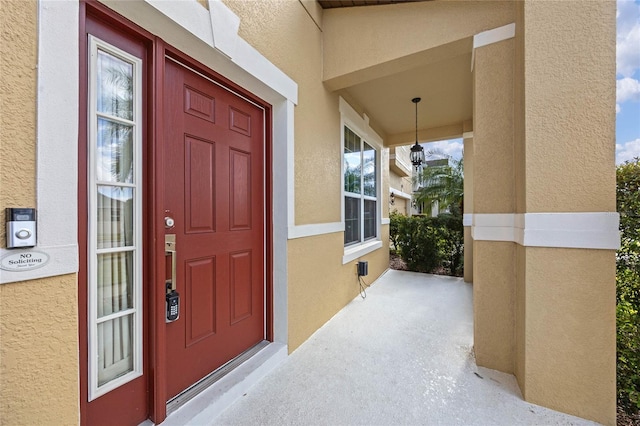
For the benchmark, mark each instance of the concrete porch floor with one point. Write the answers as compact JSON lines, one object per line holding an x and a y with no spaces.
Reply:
{"x":402,"y":356}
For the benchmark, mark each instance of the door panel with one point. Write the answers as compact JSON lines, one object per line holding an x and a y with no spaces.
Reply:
{"x":200,"y":184}
{"x":214,"y":190}
{"x":200,"y":308}
{"x":240,"y":186}
{"x":240,"y":286}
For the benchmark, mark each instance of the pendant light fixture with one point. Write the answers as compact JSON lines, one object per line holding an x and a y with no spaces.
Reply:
{"x":417,"y":152}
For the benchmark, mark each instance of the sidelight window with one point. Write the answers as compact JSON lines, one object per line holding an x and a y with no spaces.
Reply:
{"x":115,"y":228}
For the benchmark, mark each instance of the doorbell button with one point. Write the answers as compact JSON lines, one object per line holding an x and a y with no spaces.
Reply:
{"x":23,"y":234}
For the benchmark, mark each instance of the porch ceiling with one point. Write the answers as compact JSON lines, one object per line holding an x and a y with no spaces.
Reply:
{"x":440,"y":74}
{"x":446,"y":91}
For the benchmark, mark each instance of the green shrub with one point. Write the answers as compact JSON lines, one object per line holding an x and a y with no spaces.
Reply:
{"x":429,"y":244}
{"x":628,"y":351}
{"x":628,"y":287}
{"x":394,"y":218}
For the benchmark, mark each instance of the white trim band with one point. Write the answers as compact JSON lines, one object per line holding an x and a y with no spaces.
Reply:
{"x":301,"y":231}
{"x":398,"y":193}
{"x":467,"y":135}
{"x":385,"y":221}
{"x":560,"y":230}
{"x":495,"y":35}
{"x":63,"y":260}
{"x":360,"y":250}
{"x":467,"y":219}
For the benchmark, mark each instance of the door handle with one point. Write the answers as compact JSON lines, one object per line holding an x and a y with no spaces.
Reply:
{"x":170,"y":248}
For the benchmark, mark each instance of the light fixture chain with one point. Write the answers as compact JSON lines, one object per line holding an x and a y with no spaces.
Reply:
{"x":417,"y":122}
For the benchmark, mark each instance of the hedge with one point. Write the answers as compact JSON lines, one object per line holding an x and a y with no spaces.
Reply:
{"x":429,"y":244}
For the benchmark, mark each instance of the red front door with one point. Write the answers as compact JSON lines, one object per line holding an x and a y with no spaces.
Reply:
{"x":214,"y":196}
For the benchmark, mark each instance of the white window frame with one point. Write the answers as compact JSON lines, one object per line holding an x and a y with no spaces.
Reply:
{"x":360,"y":125}
{"x":95,"y":391}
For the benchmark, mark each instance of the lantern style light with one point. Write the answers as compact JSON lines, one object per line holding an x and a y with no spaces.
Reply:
{"x":417,"y":151}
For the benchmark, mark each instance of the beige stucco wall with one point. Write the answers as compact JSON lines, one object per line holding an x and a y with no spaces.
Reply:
{"x":319,"y":285}
{"x":519,"y":112}
{"x":38,"y":318}
{"x":39,"y":352}
{"x":548,"y":314}
{"x":494,"y":304}
{"x":564,"y":151}
{"x":519,"y":138}
{"x":493,"y":189}
{"x":401,"y":207}
{"x":18,"y":55}
{"x":284,"y":32}
{"x":520,"y":316}
{"x":570,"y":356}
{"x":493,"y":192}
{"x":570,"y":105}
{"x":468,"y":207}
{"x":401,"y":183}
{"x":398,"y":183}
{"x":468,"y":255}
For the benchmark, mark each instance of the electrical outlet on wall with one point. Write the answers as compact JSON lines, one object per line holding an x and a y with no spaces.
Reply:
{"x":363,"y":268}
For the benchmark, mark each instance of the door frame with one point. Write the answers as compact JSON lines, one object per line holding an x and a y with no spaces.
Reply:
{"x":153,"y":203}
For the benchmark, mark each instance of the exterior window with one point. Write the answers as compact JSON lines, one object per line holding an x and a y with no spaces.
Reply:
{"x":360,"y":189}
{"x":115,"y":228}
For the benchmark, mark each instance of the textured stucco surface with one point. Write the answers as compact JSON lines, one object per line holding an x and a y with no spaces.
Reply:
{"x":39,"y":352}
{"x":18,"y":57}
{"x":570,"y":94}
{"x":520,"y":312}
{"x":519,"y":110}
{"x":284,"y":33}
{"x":564,"y":155}
{"x":493,"y":189}
{"x":570,"y":331}
{"x":468,"y":207}
{"x":493,"y":192}
{"x":468,"y":255}
{"x":38,"y":318}
{"x":357,"y":39}
{"x":401,"y":183}
{"x":400,"y":206}
{"x":494,"y":304}
{"x":319,"y":285}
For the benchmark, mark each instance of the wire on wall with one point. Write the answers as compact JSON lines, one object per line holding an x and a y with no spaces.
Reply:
{"x":363,"y":287}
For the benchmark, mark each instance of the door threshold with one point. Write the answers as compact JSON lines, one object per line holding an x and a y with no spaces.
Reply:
{"x":205,"y":400}
{"x":194,"y":390}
